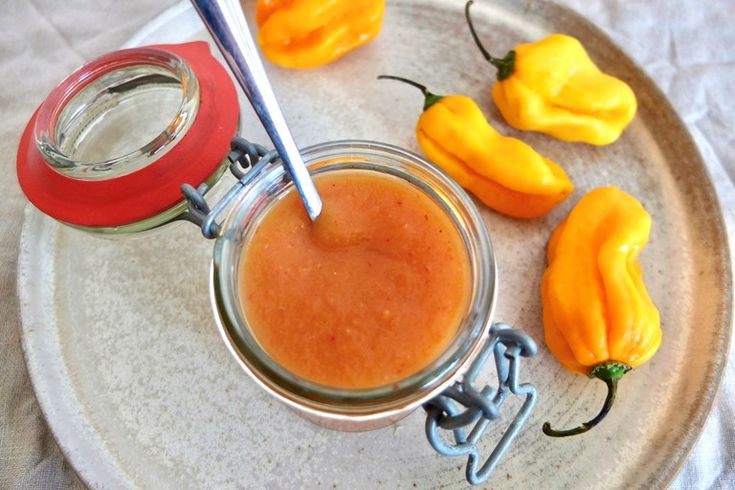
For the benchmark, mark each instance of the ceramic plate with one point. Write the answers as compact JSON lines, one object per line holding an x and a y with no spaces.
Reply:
{"x":140,"y":391}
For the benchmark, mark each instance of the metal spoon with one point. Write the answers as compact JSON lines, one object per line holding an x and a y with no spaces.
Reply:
{"x":226,"y":23}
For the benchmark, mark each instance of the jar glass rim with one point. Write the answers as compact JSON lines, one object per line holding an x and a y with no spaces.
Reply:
{"x":366,"y":155}
{"x":58,"y":107}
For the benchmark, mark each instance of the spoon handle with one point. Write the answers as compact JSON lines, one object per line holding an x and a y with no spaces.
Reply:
{"x":226,"y":23}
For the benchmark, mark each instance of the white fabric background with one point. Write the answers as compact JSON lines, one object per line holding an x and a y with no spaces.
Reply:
{"x":687,"y":46}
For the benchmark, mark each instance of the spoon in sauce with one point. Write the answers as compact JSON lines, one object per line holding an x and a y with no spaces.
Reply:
{"x":226,"y":23}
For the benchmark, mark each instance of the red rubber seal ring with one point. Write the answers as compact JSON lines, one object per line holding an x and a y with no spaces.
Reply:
{"x":155,"y":188}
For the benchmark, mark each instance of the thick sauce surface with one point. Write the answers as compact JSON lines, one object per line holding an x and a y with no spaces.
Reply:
{"x":369,"y":294}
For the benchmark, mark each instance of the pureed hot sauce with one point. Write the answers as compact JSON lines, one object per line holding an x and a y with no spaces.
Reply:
{"x":366,"y":296}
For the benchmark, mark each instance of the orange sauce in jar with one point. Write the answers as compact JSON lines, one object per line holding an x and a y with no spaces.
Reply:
{"x":370,"y":293}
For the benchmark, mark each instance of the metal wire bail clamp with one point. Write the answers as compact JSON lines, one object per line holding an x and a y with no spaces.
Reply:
{"x":507,"y":345}
{"x":243,"y":155}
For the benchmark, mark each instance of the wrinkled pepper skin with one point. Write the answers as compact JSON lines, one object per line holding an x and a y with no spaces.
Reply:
{"x":506,"y":174}
{"x":556,"y":89}
{"x":312,"y":33}
{"x":553,"y":87}
{"x":598,"y":318}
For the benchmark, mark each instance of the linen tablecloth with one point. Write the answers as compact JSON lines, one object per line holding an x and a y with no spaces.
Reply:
{"x":687,"y":46}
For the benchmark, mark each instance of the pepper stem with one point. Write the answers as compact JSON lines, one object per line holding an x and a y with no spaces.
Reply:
{"x":429,"y":98}
{"x":610,"y":373}
{"x":506,"y":64}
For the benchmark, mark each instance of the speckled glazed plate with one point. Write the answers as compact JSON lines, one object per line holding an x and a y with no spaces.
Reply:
{"x":140,"y":391}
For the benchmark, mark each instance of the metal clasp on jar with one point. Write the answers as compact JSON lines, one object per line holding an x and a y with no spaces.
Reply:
{"x":243,"y":156}
{"x":481,"y":407}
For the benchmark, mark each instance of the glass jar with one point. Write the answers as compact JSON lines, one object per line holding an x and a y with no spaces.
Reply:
{"x":346,"y":409}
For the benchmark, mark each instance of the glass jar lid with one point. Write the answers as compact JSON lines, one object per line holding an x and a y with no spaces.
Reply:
{"x":112,"y":143}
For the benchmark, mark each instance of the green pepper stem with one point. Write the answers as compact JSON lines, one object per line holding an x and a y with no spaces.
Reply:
{"x":506,"y":64}
{"x":429,"y":98}
{"x":610,"y":373}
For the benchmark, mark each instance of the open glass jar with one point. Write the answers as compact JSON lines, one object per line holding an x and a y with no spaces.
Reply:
{"x":136,"y":138}
{"x":341,"y":408}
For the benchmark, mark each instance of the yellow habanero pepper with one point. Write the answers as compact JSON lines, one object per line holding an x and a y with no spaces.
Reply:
{"x":553,"y":87}
{"x":311,"y":33}
{"x":598,"y":318}
{"x":504,"y":173}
